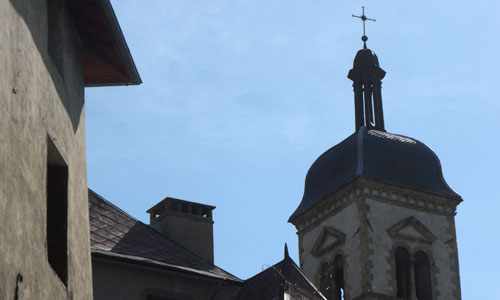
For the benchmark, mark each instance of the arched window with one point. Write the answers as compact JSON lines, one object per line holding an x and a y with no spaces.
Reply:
{"x":403,"y":267}
{"x":423,"y":288}
{"x":338,"y":282}
{"x":332,"y":279}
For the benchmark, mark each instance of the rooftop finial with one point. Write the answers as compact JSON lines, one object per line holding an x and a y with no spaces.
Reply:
{"x":363,"y":18}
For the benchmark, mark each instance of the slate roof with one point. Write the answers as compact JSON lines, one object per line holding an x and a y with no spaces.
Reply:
{"x":284,"y":276}
{"x":116,"y":235}
{"x":376,"y":155}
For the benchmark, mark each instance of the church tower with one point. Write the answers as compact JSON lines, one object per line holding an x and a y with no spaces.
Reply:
{"x":377,"y":217}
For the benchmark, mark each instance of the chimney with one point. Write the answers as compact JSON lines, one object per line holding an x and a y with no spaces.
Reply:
{"x":187,"y":223}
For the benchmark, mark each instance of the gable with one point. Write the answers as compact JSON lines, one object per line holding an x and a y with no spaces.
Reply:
{"x":328,"y":239}
{"x":283,"y":277}
{"x":411,"y":229}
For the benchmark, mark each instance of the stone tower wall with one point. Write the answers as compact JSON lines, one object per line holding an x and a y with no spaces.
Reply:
{"x":341,"y":213}
{"x":373,"y":219}
{"x":387,"y":207}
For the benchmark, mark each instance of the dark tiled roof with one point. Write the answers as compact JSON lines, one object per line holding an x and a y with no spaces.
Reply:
{"x":116,"y":235}
{"x":376,"y":155}
{"x":266,"y":285}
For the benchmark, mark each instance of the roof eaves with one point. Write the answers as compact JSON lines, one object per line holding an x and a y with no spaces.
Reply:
{"x":121,"y":44}
{"x":146,"y":262}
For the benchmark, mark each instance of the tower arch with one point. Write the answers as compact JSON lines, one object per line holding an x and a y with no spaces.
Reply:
{"x":403,"y":272}
{"x":422,"y":275}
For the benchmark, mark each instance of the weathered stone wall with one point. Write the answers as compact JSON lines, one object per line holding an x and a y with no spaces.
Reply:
{"x":127,"y":282}
{"x":342,"y":214}
{"x":387,"y":207}
{"x":38,"y":101}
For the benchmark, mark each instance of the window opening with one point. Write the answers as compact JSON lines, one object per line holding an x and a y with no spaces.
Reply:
{"x":332,"y":279}
{"x":326,"y":280}
{"x":339,"y":278}
{"x":403,"y":265}
{"x":366,"y":105}
{"x":372,"y":99}
{"x":57,"y":212}
{"x":423,"y":286}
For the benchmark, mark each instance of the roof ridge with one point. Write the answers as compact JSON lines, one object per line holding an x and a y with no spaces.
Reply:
{"x":114,"y":206}
{"x":305,"y":277}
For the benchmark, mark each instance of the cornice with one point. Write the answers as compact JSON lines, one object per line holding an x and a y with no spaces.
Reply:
{"x":376,"y":191}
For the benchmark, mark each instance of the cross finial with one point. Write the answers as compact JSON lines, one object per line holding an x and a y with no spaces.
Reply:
{"x":363,"y":18}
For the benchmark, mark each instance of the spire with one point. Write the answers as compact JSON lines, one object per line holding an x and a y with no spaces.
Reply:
{"x":286,"y":251}
{"x":367,"y":76}
{"x":363,"y":18}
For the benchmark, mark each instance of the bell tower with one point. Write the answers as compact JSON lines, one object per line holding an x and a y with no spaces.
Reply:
{"x":376,"y":220}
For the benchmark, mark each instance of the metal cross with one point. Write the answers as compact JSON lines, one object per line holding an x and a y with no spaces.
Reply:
{"x":364,"y":19}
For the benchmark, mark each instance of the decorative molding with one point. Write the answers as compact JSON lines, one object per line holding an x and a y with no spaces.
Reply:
{"x":378,"y":191}
{"x":403,"y":231}
{"x":324,"y":242}
{"x":327,"y":208}
{"x":409,"y":197}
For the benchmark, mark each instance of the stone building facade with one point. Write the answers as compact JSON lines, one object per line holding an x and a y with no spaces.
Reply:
{"x":50,"y":51}
{"x":377,"y":218}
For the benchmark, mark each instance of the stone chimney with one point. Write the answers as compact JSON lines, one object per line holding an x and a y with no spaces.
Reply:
{"x":187,"y":223}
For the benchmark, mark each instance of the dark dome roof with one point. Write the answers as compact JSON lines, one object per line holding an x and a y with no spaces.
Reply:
{"x":365,"y":58}
{"x":375,"y":155}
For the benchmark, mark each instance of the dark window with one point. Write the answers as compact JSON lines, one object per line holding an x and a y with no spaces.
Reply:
{"x":57,"y":212}
{"x":338,"y":282}
{"x":332,"y":279}
{"x":422,"y":276}
{"x":326,"y":280}
{"x":403,"y":265}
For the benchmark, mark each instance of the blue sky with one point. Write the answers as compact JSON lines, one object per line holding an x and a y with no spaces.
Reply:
{"x":240,"y":97}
